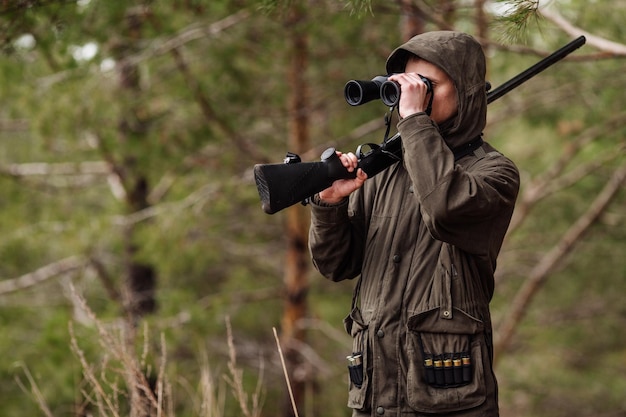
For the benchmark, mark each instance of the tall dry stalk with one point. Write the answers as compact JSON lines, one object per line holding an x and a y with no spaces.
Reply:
{"x":235,"y":380}
{"x":144,"y":395}
{"x":35,"y":391}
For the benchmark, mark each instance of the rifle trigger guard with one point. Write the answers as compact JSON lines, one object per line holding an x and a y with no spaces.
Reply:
{"x":359,"y":150}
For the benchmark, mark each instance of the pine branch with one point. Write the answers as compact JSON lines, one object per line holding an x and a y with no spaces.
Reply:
{"x":191,"y":33}
{"x":610,"y":47}
{"x":42,"y":274}
{"x":514,"y":23}
{"x":555,"y":258}
{"x":554,"y":179}
{"x":61,"y":168}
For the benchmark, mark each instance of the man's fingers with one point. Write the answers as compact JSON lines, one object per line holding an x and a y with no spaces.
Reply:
{"x":349,"y":161}
{"x":361,"y":175}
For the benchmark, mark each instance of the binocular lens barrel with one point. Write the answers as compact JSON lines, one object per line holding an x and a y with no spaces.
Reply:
{"x":390,"y":93}
{"x":359,"y":92}
{"x":354,"y":93}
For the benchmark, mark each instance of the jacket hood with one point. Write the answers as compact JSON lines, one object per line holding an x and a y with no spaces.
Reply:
{"x":462,"y":58}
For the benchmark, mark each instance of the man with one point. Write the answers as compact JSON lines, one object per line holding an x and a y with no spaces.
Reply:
{"x":423,"y":237}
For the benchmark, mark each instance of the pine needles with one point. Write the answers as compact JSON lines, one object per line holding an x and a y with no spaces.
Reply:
{"x":515,"y":17}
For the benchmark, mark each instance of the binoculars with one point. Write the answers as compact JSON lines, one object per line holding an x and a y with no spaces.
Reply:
{"x":359,"y":92}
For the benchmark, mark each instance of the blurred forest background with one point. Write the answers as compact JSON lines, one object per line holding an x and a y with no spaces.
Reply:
{"x":139,"y":275}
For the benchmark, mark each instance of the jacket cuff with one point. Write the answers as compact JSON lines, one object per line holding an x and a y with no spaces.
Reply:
{"x":329,"y":213}
{"x":319,"y":202}
{"x":416,"y":122}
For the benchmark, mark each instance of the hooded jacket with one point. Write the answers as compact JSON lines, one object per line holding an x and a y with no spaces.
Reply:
{"x":423,"y":237}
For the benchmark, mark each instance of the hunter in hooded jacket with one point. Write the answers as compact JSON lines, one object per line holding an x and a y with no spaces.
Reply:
{"x":422,"y":238}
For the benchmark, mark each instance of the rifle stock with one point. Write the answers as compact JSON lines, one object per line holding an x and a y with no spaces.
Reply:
{"x":282,"y":185}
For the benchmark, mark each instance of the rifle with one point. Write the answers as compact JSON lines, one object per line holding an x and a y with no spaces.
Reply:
{"x":283,"y":185}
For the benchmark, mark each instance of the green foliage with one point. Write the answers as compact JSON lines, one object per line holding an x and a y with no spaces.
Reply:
{"x":518,"y":19}
{"x":201,"y":101}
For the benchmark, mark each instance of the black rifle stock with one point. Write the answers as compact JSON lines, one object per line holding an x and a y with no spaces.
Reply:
{"x":282,"y":185}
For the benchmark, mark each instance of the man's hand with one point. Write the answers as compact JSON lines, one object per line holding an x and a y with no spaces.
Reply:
{"x":343,"y":188}
{"x":414,"y":93}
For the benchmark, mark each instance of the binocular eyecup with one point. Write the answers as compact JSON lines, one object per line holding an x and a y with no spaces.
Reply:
{"x":358,"y":92}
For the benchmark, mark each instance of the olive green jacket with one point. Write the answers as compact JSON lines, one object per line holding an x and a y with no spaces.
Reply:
{"x":423,"y":237}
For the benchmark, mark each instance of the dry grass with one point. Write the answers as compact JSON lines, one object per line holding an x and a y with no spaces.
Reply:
{"x":123,"y":383}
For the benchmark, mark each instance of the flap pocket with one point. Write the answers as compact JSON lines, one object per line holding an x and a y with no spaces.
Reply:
{"x":430,"y":321}
{"x":446,"y":360}
{"x":354,"y":323}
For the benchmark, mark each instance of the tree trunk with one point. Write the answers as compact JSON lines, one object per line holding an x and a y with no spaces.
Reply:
{"x":412,"y":21}
{"x":482,"y":22}
{"x":139,"y":277}
{"x":297,"y":220}
{"x":448,"y":11}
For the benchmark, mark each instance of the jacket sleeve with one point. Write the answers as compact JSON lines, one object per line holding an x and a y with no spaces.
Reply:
{"x":336,"y":240}
{"x":468,"y":205}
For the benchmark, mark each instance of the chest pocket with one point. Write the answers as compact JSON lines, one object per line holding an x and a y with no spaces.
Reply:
{"x":446,"y":362}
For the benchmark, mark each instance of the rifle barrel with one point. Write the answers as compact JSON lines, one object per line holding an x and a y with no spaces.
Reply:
{"x":535,"y":69}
